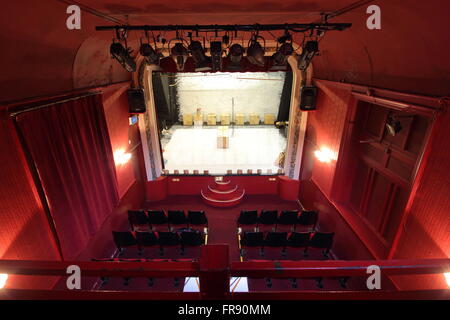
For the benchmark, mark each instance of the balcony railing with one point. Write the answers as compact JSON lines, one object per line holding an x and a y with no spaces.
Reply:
{"x":214,"y":272}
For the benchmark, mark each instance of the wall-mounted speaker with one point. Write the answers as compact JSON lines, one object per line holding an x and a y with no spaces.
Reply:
{"x":308,"y":96}
{"x":136,"y":101}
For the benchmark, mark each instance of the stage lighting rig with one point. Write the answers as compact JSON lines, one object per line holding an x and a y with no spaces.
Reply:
{"x":279,"y":58}
{"x":310,"y":49}
{"x":123,"y":56}
{"x":149,"y":53}
{"x":255,"y":52}
{"x":235,"y":55}
{"x":198,"y":54}
{"x":180,"y":54}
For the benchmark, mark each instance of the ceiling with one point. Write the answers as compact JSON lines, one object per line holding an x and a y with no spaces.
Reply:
{"x":206,"y":11}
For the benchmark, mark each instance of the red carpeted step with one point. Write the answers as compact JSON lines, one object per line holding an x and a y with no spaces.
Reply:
{"x":223,"y":199}
{"x":222,"y":185}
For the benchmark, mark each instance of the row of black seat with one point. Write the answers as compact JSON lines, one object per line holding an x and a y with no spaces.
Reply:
{"x":183,"y":238}
{"x":286,"y":217}
{"x":305,"y":240}
{"x":141,"y":219}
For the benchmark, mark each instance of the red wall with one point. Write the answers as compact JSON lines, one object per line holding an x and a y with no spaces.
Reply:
{"x":409,"y":53}
{"x":324,"y":129}
{"x":40,"y":55}
{"x":179,"y":185}
{"x":115,"y":103}
{"x":24,"y":228}
{"x":426,"y":232}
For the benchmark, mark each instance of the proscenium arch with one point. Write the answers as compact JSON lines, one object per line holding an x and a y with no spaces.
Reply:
{"x":148,"y":128}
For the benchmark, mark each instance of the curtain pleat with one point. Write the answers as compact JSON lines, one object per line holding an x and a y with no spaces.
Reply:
{"x":70,"y":146}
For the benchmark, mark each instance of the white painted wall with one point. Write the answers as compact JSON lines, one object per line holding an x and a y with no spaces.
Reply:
{"x":256,"y":92}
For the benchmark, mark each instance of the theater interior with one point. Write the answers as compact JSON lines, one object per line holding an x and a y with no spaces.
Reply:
{"x":240,"y":150}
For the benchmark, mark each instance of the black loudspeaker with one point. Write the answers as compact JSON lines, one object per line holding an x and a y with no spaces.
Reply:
{"x":136,"y":101}
{"x":308,"y":97}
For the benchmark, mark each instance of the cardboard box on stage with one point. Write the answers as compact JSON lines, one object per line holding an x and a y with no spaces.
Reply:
{"x":212,"y":119}
{"x":187,"y":119}
{"x":239,"y":119}
{"x":225,"y":119}
{"x":254,"y":119}
{"x":269,"y":118}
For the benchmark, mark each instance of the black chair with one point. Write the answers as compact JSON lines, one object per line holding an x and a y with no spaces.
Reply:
{"x":288,"y":218}
{"x":156,"y":217}
{"x":322,"y":240}
{"x":276,"y":239}
{"x":145,"y":239}
{"x":268,"y":217}
{"x":176,"y":217}
{"x":191,"y":238}
{"x":168,"y":239}
{"x":248,"y":217}
{"x":123,"y":239}
{"x":138,"y":220}
{"x":252,"y":239}
{"x":308,"y":218}
{"x":299,"y":240}
{"x":197,"y":218}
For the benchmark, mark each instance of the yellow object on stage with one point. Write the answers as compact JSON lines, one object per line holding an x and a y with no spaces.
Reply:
{"x":212,"y":119}
{"x":225,"y":119}
{"x":187,"y":119}
{"x":254,"y":118}
{"x":239,"y":119}
{"x":269,"y":118}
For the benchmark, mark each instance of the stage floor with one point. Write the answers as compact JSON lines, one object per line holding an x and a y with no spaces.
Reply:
{"x":195,"y":148}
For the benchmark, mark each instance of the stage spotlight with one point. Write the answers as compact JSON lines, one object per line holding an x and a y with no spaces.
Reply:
{"x":447,"y":278}
{"x":325,"y":155}
{"x":255,"y":53}
{"x":393,"y":126}
{"x":3,"y":279}
{"x":279,"y":58}
{"x":179,"y":53}
{"x":198,"y":54}
{"x":309,"y":51}
{"x":123,"y":56}
{"x":235,"y":57}
{"x":216,"y":55}
{"x":149,"y":53}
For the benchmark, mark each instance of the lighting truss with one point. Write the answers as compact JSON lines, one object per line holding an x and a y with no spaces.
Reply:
{"x":293,"y":27}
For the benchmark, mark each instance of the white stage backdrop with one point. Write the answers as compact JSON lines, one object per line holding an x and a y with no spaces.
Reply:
{"x":256,"y":92}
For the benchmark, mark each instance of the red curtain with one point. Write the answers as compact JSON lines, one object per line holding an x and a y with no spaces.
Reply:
{"x":70,"y":146}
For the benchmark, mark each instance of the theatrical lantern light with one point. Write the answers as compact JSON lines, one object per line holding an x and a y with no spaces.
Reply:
{"x":235,"y":57}
{"x":149,"y":53}
{"x":198,"y":54}
{"x":280,"y":57}
{"x":180,"y":54}
{"x":324,"y":155}
{"x":393,"y":126}
{"x":255,"y":53}
{"x":122,"y":55}
{"x":447,"y":278}
{"x":3,"y":279}
{"x":310,"y":49}
{"x":121,"y":157}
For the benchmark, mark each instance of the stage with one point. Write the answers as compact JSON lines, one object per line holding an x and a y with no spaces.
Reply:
{"x":195,"y":148}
